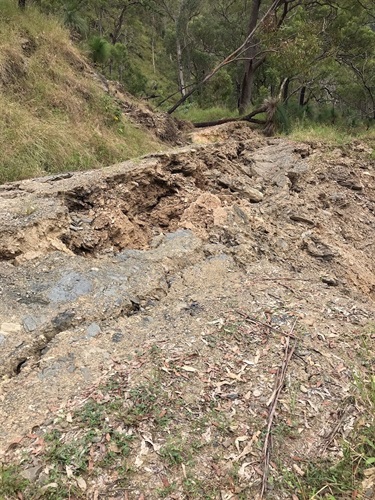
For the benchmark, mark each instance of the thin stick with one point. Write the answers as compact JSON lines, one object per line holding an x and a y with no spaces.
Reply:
{"x":282,"y":279}
{"x":279,"y":384}
{"x":328,"y":440}
{"x":267,"y":325}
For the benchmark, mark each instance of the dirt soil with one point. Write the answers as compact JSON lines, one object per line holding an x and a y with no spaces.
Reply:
{"x":169,"y":287}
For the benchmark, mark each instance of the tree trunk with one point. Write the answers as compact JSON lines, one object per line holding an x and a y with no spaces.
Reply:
{"x":250,"y":64}
{"x":302,"y":96}
{"x":249,"y":118}
{"x":181,"y":79}
{"x":22,"y":4}
{"x":115,"y":36}
{"x":286,"y":91}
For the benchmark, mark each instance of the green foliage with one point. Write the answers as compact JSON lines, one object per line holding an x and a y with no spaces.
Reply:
{"x":194,"y":113}
{"x":100,"y":49}
{"x":325,"y":479}
{"x":327,"y":47}
{"x":74,"y":20}
{"x":11,"y":483}
{"x":172,"y":453}
{"x":91,"y":414}
{"x":53,"y":120}
{"x":341,"y":479}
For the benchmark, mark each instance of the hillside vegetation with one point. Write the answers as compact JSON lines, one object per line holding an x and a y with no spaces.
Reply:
{"x":205,"y":60}
{"x":196,"y":59}
{"x":54,"y":115}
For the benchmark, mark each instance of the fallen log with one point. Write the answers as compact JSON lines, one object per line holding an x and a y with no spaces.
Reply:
{"x":269,"y":107}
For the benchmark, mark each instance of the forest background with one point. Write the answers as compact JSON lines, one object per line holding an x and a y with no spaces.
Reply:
{"x":199,"y":60}
{"x":318,"y":56}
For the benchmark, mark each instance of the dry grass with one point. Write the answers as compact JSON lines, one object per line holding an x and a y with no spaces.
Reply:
{"x":329,"y":134}
{"x":53,"y":115}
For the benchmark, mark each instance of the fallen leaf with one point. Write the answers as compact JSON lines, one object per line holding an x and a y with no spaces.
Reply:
{"x":114,"y":448}
{"x":248,"y":448}
{"x":298,"y":470}
{"x":165,"y":482}
{"x":239,"y":440}
{"x":14,"y":443}
{"x":189,"y":369}
{"x":207,"y":435}
{"x":241,"y":471}
{"x":81,"y":483}
{"x":184,"y":470}
{"x":369,"y":472}
{"x":49,"y":485}
{"x":234,"y":376}
{"x":69,"y":471}
{"x":247,"y":396}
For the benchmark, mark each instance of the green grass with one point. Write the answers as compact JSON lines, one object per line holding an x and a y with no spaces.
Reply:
{"x":329,"y":134}
{"x":173,"y":453}
{"x":342,"y":479}
{"x":195,"y":114}
{"x":339,"y":480}
{"x":92,"y":414}
{"x":54,"y":116}
{"x":11,"y":483}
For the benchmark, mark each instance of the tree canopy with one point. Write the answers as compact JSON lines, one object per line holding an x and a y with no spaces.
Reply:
{"x":235,"y":53}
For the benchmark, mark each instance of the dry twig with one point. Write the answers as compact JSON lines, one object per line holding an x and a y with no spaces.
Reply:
{"x":331,"y":436}
{"x":279,"y":278}
{"x":267,"y":325}
{"x":279,"y":384}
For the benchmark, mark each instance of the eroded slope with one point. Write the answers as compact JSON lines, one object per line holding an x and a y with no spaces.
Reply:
{"x":206,"y":256}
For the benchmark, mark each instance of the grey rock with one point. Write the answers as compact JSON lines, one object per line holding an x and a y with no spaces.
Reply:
{"x":282,"y":244}
{"x":301,"y":218}
{"x":252,"y":194}
{"x":241,"y":213}
{"x":63,"y":321}
{"x":148,"y":319}
{"x":57,"y":367}
{"x":330,"y":281}
{"x":2,"y":339}
{"x":117,"y":337}
{"x":30,"y":323}
{"x":32,"y":473}
{"x":86,"y":373}
{"x":71,"y":286}
{"x":316,"y":248}
{"x":93,"y":330}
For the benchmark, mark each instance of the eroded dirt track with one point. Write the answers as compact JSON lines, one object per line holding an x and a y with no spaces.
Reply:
{"x":101,"y":266}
